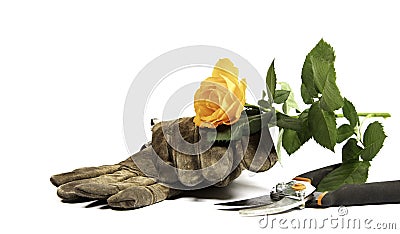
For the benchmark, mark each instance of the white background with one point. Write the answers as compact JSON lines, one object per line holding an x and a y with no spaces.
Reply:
{"x":66,"y":66}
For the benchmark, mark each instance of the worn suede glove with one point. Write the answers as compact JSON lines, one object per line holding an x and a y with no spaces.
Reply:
{"x":146,"y":177}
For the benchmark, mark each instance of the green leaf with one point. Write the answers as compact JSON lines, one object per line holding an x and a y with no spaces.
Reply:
{"x":323,"y":126}
{"x":306,"y":95}
{"x":351,"y":151}
{"x":281,"y":96}
{"x":285,"y":108}
{"x":290,"y":102}
{"x":264,"y":94}
{"x":347,"y":173}
{"x":304,"y":134}
{"x":294,"y":139}
{"x":291,"y":141}
{"x":325,"y":81}
{"x":345,"y":131}
{"x":373,"y":139}
{"x":288,"y":122}
{"x":271,"y":79}
{"x":322,"y":51}
{"x":350,"y":113}
{"x":263,"y":103}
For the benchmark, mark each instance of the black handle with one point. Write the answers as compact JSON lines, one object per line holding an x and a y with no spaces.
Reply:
{"x":317,"y":175}
{"x":363,"y":194}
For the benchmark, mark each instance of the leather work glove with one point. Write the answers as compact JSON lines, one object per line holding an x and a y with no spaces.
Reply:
{"x":159,"y":171}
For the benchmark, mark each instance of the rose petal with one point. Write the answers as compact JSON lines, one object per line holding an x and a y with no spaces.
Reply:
{"x":233,"y":111}
{"x":220,"y":98}
{"x":231,"y":84}
{"x":212,"y":81}
{"x":226,"y":67}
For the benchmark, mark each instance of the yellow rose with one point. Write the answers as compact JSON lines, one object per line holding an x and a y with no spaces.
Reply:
{"x":221,"y":97}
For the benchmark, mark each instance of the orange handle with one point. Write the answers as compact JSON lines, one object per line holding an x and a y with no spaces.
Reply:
{"x":302,"y":179}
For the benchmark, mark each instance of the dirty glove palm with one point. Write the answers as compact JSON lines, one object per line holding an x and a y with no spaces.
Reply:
{"x":141,"y":180}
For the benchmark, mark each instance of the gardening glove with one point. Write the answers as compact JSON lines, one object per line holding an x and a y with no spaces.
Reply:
{"x":126,"y":185}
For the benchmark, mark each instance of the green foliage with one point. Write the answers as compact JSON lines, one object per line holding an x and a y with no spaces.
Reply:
{"x":281,"y":96}
{"x":306,"y":95}
{"x":290,"y":102}
{"x":264,"y":104}
{"x":305,"y":132}
{"x":290,"y":141}
{"x":321,"y":94}
{"x":288,"y":122}
{"x":271,"y":79}
{"x":351,"y":151}
{"x":322,"y":124}
{"x":325,"y":81}
{"x":374,"y":136}
{"x":355,"y":169}
{"x":344,"y":132}
{"x":348,"y":173}
{"x":322,"y":51}
{"x":350,"y":113}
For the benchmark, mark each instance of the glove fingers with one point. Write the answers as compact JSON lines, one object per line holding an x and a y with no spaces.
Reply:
{"x":216,"y":163}
{"x":259,"y":157}
{"x":67,"y":190}
{"x":67,"y":193}
{"x":234,"y":174}
{"x":184,"y":154}
{"x":82,"y":173}
{"x":238,"y":156}
{"x":104,"y":191}
{"x":165,"y":171}
{"x":140,"y":196}
{"x":188,"y":169}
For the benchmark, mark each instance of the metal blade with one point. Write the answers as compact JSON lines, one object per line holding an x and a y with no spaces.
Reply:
{"x":290,"y":201}
{"x":285,"y":204}
{"x":251,"y":202}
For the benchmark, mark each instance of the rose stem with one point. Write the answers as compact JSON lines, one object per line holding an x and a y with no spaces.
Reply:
{"x":363,"y":114}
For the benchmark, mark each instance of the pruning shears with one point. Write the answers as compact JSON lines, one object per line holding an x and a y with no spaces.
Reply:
{"x":300,"y":192}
